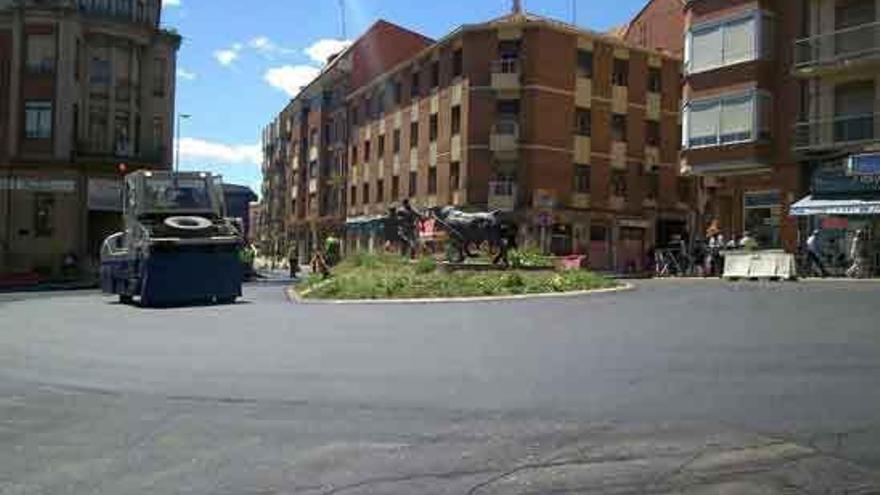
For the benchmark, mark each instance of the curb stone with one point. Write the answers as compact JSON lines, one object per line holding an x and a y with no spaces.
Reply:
{"x":297,"y":298}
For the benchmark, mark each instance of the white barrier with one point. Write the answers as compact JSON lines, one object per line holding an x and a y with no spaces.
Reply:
{"x":759,"y":264}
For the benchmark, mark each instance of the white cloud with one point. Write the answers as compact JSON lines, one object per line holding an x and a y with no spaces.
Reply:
{"x":228,"y":56}
{"x":291,"y":78}
{"x":171,"y":3}
{"x":193,"y":149}
{"x":185,"y":74}
{"x":320,"y":50}
{"x":269,"y":49}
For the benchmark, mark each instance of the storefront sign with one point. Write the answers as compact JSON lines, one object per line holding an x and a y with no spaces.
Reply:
{"x":37,"y":185}
{"x":764,"y":199}
{"x":105,"y":195}
{"x":835,"y":223}
{"x":834,"y":180}
{"x":864,"y":165}
{"x":634,"y":224}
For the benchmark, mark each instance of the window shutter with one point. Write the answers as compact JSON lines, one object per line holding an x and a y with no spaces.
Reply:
{"x":737,"y":119}
{"x":706,"y":48}
{"x":739,"y":41}
{"x":704,"y":118}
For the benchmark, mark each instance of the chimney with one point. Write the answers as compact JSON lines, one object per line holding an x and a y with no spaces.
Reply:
{"x":517,"y":6}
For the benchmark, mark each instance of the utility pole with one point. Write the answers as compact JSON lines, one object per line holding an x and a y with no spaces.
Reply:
{"x":517,"y":6}
{"x":180,"y":117}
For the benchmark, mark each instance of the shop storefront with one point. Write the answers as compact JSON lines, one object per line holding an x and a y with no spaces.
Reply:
{"x":762,"y":213}
{"x":843,"y":201}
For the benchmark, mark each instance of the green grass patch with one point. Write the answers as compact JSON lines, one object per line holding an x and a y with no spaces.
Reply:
{"x":364,"y":276}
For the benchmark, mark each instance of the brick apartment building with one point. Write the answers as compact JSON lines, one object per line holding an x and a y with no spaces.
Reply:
{"x":574,"y":132}
{"x":778,"y":95}
{"x":85,"y":85}
{"x":305,"y":147}
{"x":658,"y":26}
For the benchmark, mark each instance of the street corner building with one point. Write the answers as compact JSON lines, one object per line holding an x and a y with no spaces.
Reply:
{"x":574,"y":133}
{"x":86,"y":94}
{"x":780,"y":118}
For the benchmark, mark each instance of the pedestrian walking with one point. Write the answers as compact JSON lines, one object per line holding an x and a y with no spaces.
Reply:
{"x":814,"y":254}
{"x":293,"y":260}
{"x":859,"y":255}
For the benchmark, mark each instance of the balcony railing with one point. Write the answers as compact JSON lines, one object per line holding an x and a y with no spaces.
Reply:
{"x":837,"y":131}
{"x":836,"y":48}
{"x":506,"y":66}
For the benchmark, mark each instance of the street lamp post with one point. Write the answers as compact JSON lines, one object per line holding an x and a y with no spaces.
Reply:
{"x":180,"y":118}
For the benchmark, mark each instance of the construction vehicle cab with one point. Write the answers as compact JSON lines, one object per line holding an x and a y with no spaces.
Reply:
{"x":177,"y":246}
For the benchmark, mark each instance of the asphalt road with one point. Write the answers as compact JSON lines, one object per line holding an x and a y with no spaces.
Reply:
{"x":677,"y":387}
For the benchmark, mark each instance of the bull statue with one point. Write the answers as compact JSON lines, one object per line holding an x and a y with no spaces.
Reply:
{"x":468,"y":231}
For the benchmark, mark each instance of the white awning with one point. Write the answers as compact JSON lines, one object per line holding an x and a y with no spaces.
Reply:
{"x":809,"y":206}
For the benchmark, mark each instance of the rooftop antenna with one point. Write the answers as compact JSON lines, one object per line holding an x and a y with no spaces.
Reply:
{"x":517,"y":6}
{"x":342,"y":18}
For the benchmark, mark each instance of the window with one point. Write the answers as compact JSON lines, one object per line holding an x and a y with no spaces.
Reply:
{"x":652,"y":133}
{"x":435,"y":74}
{"x":582,"y":179}
{"x":414,"y":89}
{"x":584,"y":63}
{"x":380,"y":191}
{"x":432,"y":128}
{"x":726,"y":120}
{"x":395,"y":188}
{"x":398,"y":93}
{"x":507,"y":107}
{"x":620,"y":75}
{"x":414,"y":135}
{"x":454,"y":176}
{"x":508,"y":49}
{"x":618,"y":128}
{"x":684,"y":189}
{"x":457,"y":63}
{"x":456,"y":120}
{"x":396,"y":141}
{"x":381,"y":146}
{"x":582,"y":122}
{"x":41,"y":53}
{"x":618,"y":183}
{"x":652,"y":184}
{"x":655,"y":80}
{"x":598,"y":233}
{"x":366,"y":152}
{"x":366,"y":198}
{"x":44,"y":214}
{"x":354,"y":155}
{"x":160,"y":76}
{"x":413,"y":183}
{"x":726,"y":43}
{"x":432,"y":180}
{"x":353,"y":195}
{"x":38,"y":120}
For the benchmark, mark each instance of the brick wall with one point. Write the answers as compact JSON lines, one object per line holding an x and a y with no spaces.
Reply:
{"x":658,"y":27}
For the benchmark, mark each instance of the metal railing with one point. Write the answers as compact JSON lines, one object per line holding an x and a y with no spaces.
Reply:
{"x":506,"y":66}
{"x":837,"y":131}
{"x":844,"y":45}
{"x":506,"y":128}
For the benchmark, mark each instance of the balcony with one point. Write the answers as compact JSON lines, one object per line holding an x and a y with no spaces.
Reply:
{"x":504,"y":139}
{"x":154,"y":155}
{"x":844,"y":49}
{"x":502,"y":195}
{"x":506,"y":74}
{"x":837,"y":132}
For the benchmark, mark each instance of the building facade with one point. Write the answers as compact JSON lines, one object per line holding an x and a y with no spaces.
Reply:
{"x":574,"y":133}
{"x":741,"y":102}
{"x":305,"y":160}
{"x":780,"y":101}
{"x":658,"y":26}
{"x":837,"y":136}
{"x":86,"y":94}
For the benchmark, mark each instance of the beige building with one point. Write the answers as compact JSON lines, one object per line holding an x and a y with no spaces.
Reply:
{"x":86,"y":94}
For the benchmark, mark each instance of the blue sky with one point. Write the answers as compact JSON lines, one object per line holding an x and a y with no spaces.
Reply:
{"x":240,"y":62}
